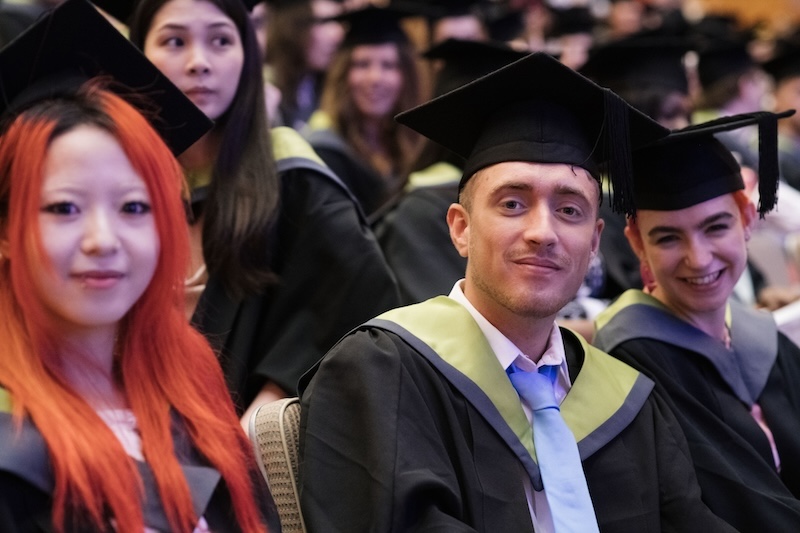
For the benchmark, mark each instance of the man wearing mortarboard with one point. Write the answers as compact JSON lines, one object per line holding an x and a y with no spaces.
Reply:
{"x":474,"y":411}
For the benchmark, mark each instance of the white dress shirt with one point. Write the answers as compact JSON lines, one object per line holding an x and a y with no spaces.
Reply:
{"x":508,"y":353}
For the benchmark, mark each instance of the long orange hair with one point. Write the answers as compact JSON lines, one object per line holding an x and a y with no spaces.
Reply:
{"x":162,"y":364}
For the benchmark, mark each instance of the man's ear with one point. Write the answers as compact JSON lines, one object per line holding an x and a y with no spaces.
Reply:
{"x":458,"y":222}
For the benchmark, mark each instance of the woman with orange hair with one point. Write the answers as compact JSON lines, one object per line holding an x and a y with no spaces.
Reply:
{"x":113,"y":409}
{"x":114,"y":412}
{"x":725,"y":369}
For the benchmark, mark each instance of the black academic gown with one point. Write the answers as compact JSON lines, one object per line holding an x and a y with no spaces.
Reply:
{"x":372,"y":191}
{"x":26,"y":487}
{"x":333,"y":276}
{"x":620,"y":264}
{"x":394,"y":438}
{"x":711,"y":390}
{"x":415,"y":239}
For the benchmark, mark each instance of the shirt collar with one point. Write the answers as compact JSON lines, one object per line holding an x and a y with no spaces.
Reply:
{"x":505,"y":350}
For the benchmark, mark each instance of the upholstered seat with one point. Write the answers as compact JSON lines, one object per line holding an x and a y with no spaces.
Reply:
{"x":275,"y":433}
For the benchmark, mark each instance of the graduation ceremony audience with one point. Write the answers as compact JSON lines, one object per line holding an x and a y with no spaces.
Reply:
{"x":302,"y":39}
{"x":315,"y":203}
{"x":114,"y":414}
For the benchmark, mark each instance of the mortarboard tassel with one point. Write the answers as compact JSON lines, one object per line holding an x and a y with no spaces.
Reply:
{"x":768,"y":170}
{"x":620,"y":166}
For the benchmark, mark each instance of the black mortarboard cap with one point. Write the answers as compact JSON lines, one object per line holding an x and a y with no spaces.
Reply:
{"x":640,"y":61}
{"x":785,"y":61}
{"x":375,"y":25}
{"x":250,"y":4}
{"x":572,"y":20}
{"x":718,"y":26}
{"x":122,"y":10}
{"x":281,"y":4}
{"x":539,"y":110}
{"x":436,"y":9}
{"x":503,"y":22}
{"x":723,"y":57}
{"x":74,"y":43}
{"x":466,"y":60}
{"x":692,"y":166}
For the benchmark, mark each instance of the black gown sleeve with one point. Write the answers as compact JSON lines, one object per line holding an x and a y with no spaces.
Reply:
{"x":333,"y":277}
{"x":23,"y":507}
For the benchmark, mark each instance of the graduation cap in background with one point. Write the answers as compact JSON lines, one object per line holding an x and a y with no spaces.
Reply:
{"x":376,"y":25}
{"x":467,"y":60}
{"x":437,"y":9}
{"x":719,"y":58}
{"x":538,"y":110}
{"x":504,"y":23}
{"x":723,"y":48}
{"x":73,"y":43}
{"x":571,"y":21}
{"x":640,"y":61}
{"x":277,"y":4}
{"x":250,"y":4}
{"x":785,"y":61}
{"x":691,"y":166}
{"x":719,"y":26}
{"x":122,"y":10}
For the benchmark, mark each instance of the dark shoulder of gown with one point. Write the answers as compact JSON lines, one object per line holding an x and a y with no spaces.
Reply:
{"x":333,"y":277}
{"x":415,"y":239}
{"x":370,"y":189}
{"x":730,"y":452}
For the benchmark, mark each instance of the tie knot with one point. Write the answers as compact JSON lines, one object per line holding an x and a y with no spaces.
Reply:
{"x":535,"y":387}
{"x":551,"y":371}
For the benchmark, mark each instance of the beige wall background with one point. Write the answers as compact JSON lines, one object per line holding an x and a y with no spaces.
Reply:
{"x":776,"y":13}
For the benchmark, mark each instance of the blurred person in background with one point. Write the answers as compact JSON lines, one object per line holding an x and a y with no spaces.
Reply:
{"x":373,"y":77}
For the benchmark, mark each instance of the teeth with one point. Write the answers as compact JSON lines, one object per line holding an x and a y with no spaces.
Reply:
{"x":705,"y":280}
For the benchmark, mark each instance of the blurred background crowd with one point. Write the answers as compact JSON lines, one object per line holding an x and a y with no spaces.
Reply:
{"x":338,"y":74}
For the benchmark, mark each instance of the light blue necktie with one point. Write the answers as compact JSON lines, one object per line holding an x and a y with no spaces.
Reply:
{"x":556,"y":452}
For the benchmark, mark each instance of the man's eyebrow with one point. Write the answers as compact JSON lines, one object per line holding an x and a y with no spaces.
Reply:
{"x":512,"y":185}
